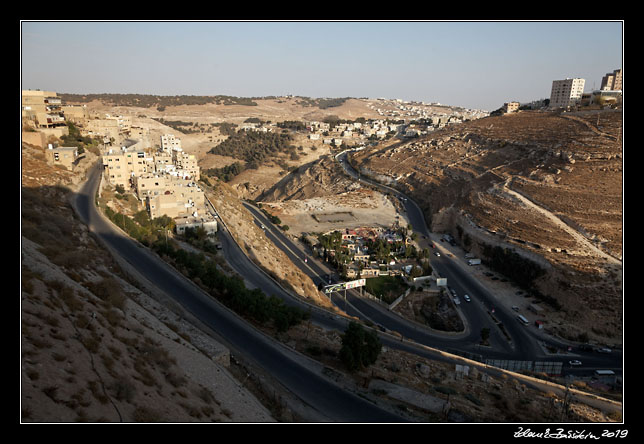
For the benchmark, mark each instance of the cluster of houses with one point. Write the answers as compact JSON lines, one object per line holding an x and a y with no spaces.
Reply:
{"x":400,"y":118}
{"x":356,"y":133}
{"x":164,"y":179}
{"x":413,"y":110}
{"x":363,"y":263}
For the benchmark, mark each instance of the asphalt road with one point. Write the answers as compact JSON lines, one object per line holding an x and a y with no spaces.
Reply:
{"x":513,"y":342}
{"x":332,"y":402}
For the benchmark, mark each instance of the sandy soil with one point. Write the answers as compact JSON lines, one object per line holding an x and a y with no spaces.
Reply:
{"x":348,"y":210}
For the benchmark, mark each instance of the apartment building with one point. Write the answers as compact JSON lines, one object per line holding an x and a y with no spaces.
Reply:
{"x":121,"y":165}
{"x":43,"y":107}
{"x":566,"y":92}
{"x":39,"y":101}
{"x":186,"y":164}
{"x":163,"y":162}
{"x":612,"y":81}
{"x":169,"y":142}
{"x":176,"y":201}
{"x":153,"y":184}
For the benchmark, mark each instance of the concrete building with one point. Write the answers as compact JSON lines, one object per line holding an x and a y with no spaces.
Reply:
{"x":63,"y":156}
{"x":106,"y":128}
{"x":612,"y":81}
{"x":511,"y":107}
{"x":606,"y":97}
{"x":75,"y":113}
{"x":44,"y":108}
{"x":169,"y":142}
{"x":39,"y":101}
{"x":186,"y":164}
{"x":566,"y":92}
{"x":121,"y":165}
{"x":196,"y":220}
{"x":177,"y":201}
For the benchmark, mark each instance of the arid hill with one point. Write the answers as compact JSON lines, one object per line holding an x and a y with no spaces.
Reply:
{"x":96,"y":346}
{"x":315,"y":179}
{"x":546,"y":185}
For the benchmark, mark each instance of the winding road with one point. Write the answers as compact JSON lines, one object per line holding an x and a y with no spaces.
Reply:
{"x":295,"y":372}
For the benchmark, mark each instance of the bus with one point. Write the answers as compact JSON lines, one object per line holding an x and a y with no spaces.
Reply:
{"x":523,"y":320}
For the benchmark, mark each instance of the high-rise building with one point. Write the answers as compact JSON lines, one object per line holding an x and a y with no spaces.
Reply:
{"x":612,"y":81}
{"x":566,"y":92}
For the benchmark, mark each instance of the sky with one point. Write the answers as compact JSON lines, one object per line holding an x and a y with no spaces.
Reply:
{"x":472,"y":64}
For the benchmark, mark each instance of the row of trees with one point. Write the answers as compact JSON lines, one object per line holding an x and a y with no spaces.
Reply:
{"x":322,"y":103}
{"x":228,"y":172}
{"x":522,"y":271}
{"x":230,"y":290}
{"x":148,"y":101}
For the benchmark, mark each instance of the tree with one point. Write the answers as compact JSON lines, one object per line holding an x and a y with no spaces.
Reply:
{"x":485,"y":335}
{"x":360,"y":348}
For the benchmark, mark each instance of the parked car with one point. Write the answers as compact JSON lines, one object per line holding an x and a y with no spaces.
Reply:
{"x":437,"y":254}
{"x":575,"y":362}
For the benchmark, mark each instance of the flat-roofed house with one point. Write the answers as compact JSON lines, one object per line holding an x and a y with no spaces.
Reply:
{"x":196,"y":220}
{"x":63,"y":156}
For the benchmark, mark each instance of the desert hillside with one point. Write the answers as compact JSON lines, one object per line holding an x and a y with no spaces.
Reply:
{"x":96,"y":346}
{"x":546,"y":185}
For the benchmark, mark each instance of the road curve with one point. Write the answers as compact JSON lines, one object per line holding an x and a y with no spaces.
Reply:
{"x":291,"y":369}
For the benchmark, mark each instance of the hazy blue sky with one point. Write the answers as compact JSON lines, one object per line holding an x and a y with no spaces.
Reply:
{"x":471,"y":64}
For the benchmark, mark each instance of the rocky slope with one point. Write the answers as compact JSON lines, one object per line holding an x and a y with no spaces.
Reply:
{"x":96,"y":346}
{"x":548,"y":186}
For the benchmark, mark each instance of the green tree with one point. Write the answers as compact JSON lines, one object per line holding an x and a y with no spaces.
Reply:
{"x":485,"y":334}
{"x":360,"y":348}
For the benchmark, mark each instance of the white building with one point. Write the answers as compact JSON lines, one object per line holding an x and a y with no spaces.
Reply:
{"x":195,"y":220}
{"x":566,"y":92}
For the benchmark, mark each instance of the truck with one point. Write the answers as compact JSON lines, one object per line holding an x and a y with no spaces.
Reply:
{"x":474,"y":261}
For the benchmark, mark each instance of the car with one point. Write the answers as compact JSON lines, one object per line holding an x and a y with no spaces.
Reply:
{"x":604,"y":350}
{"x":437,"y":254}
{"x":575,"y":362}
{"x":467,"y":298}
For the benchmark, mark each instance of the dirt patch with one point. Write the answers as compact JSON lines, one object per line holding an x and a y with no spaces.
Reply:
{"x":432,"y":308}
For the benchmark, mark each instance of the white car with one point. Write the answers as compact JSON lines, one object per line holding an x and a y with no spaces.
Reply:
{"x":575,"y":362}
{"x":467,"y":298}
{"x":437,"y":254}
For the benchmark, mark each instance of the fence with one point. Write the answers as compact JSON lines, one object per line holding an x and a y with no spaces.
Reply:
{"x":547,"y":367}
